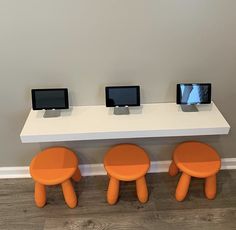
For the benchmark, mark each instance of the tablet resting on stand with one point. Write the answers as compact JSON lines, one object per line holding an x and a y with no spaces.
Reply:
{"x":51,"y":100}
{"x":121,"y":97}
{"x":192,"y":94}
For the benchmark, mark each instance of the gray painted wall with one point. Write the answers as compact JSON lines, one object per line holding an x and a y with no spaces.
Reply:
{"x":85,"y":45}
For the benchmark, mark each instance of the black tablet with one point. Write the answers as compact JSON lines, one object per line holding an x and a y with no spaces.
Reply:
{"x":55,"y":98}
{"x":122,"y":96}
{"x":193,"y":93}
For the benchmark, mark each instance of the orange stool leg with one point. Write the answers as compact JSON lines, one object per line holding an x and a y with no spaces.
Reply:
{"x":113,"y":190}
{"x":40,"y":194}
{"x":173,"y":169}
{"x":182,"y":187}
{"x":69,"y":194}
{"x":77,"y":175}
{"x":210,"y":187}
{"x":141,"y":187}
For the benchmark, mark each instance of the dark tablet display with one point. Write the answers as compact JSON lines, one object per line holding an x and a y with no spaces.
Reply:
{"x":56,"y":98}
{"x":122,"y":96}
{"x":196,"y":93}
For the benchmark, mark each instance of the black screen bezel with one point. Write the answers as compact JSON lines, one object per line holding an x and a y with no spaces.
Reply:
{"x":108,"y":88}
{"x":34,"y":105}
{"x":178,"y":93}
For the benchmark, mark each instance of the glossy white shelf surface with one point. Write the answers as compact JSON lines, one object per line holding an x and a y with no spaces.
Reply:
{"x":99,"y":122}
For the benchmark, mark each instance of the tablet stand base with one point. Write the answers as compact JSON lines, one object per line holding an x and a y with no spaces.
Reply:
{"x":121,"y":110}
{"x":189,"y":108}
{"x":52,"y":113}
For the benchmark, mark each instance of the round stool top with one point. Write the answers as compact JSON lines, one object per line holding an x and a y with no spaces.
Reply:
{"x":53,"y":165}
{"x":126,"y":162}
{"x":197,"y":159}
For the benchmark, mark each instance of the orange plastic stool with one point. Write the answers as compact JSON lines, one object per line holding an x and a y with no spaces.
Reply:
{"x":55,"y":166}
{"x":195,"y":159}
{"x":126,"y":162}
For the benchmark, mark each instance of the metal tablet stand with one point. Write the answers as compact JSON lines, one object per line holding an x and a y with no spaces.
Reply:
{"x":121,"y":110}
{"x":189,"y":108}
{"x":52,"y":113}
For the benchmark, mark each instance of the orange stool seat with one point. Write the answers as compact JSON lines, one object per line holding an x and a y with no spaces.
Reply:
{"x":195,"y":159}
{"x":126,"y":162}
{"x":54,"y":166}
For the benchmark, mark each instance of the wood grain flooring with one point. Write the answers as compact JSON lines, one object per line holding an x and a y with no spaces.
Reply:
{"x":17,"y":209}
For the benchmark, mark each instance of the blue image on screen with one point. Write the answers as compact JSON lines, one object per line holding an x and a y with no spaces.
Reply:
{"x":194,"y":94}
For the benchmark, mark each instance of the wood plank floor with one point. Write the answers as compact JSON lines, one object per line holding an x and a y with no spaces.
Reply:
{"x":17,"y":209}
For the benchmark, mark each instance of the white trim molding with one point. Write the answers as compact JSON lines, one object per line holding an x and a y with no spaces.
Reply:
{"x":228,"y":163}
{"x":14,"y":172}
{"x":98,"y":169}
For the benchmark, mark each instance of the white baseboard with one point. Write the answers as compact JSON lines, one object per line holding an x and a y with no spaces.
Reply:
{"x":98,"y":169}
{"x":14,"y":172}
{"x":228,"y":163}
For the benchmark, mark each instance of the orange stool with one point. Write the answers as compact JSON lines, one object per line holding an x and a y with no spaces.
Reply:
{"x":55,"y":166}
{"x":195,"y":159}
{"x":126,"y":162}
